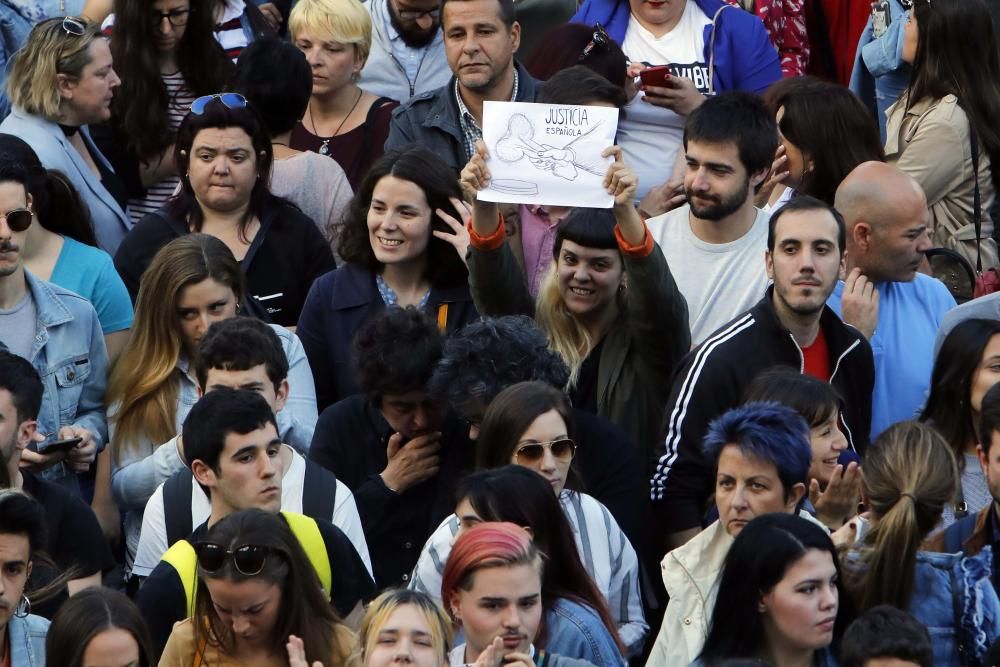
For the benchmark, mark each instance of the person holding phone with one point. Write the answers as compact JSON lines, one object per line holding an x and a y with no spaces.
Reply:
{"x":695,"y":48}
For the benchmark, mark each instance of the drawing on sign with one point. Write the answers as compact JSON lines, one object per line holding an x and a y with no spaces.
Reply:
{"x":518,"y":143}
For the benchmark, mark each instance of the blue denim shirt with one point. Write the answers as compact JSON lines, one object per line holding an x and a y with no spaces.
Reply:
{"x":70,"y":357}
{"x":880,"y":75}
{"x":576,"y":631}
{"x":27,"y":640}
{"x":941,"y":581}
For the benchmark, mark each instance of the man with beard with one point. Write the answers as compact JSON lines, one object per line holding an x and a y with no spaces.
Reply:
{"x":714,"y":243}
{"x":59,"y":333}
{"x":407,"y":54}
{"x":480,"y":39}
{"x":885,"y":296}
{"x":790,"y":326}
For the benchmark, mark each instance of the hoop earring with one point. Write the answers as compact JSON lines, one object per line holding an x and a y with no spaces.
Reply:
{"x":23,"y":608}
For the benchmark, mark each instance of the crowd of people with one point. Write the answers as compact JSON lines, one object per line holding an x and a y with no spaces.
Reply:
{"x":281,"y":387}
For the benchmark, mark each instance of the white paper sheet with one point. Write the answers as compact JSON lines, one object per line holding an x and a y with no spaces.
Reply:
{"x":548,"y":153}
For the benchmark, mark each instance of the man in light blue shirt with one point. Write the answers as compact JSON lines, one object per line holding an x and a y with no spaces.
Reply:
{"x":407,"y":53}
{"x":884,"y":296}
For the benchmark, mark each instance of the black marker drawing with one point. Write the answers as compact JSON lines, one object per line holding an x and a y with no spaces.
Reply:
{"x":518,"y":143}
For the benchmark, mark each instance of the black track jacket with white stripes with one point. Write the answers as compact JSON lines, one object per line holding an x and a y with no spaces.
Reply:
{"x":712,"y":378}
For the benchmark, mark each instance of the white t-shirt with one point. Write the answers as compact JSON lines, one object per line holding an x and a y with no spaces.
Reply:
{"x":153,"y":538}
{"x":650,"y":136}
{"x":719,"y":280}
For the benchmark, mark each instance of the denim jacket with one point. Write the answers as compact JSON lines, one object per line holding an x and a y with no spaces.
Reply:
{"x":27,"y":640}
{"x":880,"y":76}
{"x":70,"y":357}
{"x":576,"y":631}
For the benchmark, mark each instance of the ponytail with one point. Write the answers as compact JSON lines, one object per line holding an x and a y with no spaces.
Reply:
{"x":909,"y":475}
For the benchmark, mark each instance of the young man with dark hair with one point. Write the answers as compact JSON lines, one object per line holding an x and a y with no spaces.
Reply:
{"x":59,"y":333}
{"x":790,"y":326}
{"x":74,"y":538}
{"x":393,"y":445}
{"x":760,"y":454}
{"x":885,"y":636}
{"x":714,"y":242}
{"x":480,"y":40}
{"x":232,"y":446}
{"x":242,"y":353}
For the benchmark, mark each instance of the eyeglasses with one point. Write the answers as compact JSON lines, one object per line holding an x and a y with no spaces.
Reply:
{"x":17,"y":219}
{"x":417,"y":14}
{"x":231,"y":100}
{"x":74,"y":26}
{"x":249,"y":559}
{"x":562,"y":450}
{"x":177,"y":17}
{"x":599,"y":40}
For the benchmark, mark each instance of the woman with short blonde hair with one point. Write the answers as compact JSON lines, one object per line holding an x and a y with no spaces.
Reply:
{"x":59,"y":83}
{"x":342,"y":120}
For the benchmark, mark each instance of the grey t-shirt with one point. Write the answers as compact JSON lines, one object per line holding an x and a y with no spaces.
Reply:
{"x":17,"y":327}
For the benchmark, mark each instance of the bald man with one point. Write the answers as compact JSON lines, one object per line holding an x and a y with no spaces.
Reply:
{"x":897,"y":308}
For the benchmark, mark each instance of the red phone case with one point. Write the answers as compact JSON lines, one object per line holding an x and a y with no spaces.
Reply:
{"x":655,"y":76}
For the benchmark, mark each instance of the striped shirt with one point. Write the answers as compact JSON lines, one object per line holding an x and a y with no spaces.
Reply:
{"x":178,"y":106}
{"x":604,"y":550}
{"x":229,"y":30}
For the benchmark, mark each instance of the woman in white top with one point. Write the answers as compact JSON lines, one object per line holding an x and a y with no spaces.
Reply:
{"x":277,"y":80}
{"x":530,"y":424}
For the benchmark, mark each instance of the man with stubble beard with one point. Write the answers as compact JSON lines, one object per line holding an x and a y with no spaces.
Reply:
{"x":407,"y":55}
{"x":713,"y":244}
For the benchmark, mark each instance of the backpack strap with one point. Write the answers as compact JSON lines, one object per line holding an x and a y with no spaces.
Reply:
{"x":177,"y":506}
{"x":307,"y":532}
{"x":319,"y":492}
{"x":184,"y":560}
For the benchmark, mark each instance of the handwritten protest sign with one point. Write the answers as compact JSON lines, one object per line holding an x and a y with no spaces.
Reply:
{"x":548,"y":153}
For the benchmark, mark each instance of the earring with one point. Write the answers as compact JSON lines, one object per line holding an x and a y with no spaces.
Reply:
{"x":23,"y":608}
{"x":238,"y":306}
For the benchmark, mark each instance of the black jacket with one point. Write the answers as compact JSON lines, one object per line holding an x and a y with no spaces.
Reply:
{"x":431,"y":120}
{"x":712,"y":379}
{"x":286,"y":256}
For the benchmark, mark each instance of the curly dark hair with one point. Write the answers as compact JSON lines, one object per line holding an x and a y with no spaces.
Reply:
{"x":485,"y":357}
{"x":139,"y":107}
{"x":437,"y":180}
{"x":395,"y":352}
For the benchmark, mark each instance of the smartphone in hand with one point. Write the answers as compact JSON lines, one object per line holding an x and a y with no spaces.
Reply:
{"x":59,"y":445}
{"x":656,"y":76}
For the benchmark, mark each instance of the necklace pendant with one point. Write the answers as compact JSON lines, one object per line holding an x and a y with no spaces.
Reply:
{"x":324,"y":149}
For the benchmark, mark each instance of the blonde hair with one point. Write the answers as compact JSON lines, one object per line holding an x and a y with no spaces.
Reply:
{"x":909,"y":475}
{"x":384,"y":606}
{"x":32,"y":78}
{"x":143,"y":382}
{"x":344,"y":21}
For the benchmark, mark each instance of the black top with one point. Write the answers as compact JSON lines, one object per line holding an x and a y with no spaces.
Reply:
{"x":350,"y":440}
{"x":584,"y":393}
{"x":162,"y":601}
{"x":286,"y":255}
{"x":75,"y":539}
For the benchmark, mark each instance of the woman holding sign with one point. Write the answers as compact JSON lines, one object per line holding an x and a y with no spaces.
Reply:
{"x":609,"y":304}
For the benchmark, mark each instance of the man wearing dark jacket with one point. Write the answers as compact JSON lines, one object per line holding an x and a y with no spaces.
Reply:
{"x":480,"y":39}
{"x":790,"y":326}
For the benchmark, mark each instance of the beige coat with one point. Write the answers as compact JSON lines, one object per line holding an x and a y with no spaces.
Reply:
{"x":930,"y":142}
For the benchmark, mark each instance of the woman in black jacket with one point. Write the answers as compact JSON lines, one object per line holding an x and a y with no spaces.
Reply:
{"x":224,"y":155}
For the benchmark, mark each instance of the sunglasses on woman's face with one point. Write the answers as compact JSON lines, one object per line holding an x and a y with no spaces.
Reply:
{"x":249,"y":559}
{"x":18,"y":219}
{"x":231,"y":100}
{"x":533,"y":452}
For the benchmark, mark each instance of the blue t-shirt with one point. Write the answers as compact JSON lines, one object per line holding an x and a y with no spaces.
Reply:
{"x":909,"y":315}
{"x":90,"y":272}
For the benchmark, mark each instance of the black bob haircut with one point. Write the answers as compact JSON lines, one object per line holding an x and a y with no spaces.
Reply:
{"x":738,"y":118}
{"x":395,"y":352}
{"x":802,"y":203}
{"x":277,"y":80}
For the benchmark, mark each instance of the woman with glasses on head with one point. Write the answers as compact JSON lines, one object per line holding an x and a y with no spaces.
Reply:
{"x":342,"y":120}
{"x":530,"y":424}
{"x":258,"y":602}
{"x":167,"y":57}
{"x":224,"y":155}
{"x":59,"y":83}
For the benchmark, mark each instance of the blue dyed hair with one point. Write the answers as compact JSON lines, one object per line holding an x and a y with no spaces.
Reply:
{"x":767,"y":431}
